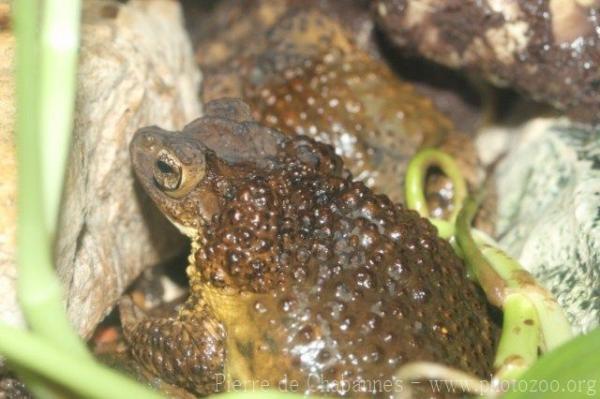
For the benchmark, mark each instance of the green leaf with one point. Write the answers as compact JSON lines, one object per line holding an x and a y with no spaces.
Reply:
{"x":570,"y":371}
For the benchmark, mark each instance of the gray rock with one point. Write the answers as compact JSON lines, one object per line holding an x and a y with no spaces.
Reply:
{"x":549,"y":212}
{"x":136,"y":68}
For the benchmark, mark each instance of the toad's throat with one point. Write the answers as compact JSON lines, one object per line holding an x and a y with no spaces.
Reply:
{"x":245,"y":360}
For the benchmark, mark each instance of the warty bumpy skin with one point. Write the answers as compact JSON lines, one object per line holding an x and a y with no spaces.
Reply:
{"x":301,"y":274}
{"x":307,"y":76}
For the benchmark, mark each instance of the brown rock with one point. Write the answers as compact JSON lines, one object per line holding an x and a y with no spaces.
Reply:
{"x":548,"y":49}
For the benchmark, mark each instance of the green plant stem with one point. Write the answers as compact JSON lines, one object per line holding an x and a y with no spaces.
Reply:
{"x":532,"y":317}
{"x":573,"y":368}
{"x":491,"y":282}
{"x":553,"y":322}
{"x":502,"y":277}
{"x":445,"y":228}
{"x":59,"y":47}
{"x":518,"y":347}
{"x":416,"y":175}
{"x":86,"y":377}
{"x":38,"y":288}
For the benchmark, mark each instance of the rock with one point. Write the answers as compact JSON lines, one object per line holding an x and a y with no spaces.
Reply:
{"x":136,"y":69}
{"x":548,"y":49}
{"x":549,"y":212}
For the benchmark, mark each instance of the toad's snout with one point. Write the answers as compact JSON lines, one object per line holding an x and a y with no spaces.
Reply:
{"x":143,"y":149}
{"x":145,"y":140}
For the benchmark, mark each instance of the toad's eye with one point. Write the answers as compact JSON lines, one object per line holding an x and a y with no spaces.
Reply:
{"x":174,"y":178}
{"x":167,"y":172}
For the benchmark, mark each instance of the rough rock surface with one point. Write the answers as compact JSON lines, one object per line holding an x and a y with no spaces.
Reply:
{"x":136,"y":68}
{"x":520,"y":43}
{"x":549,"y":212}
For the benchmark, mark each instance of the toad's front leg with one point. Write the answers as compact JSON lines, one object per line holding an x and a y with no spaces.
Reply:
{"x":186,"y":350}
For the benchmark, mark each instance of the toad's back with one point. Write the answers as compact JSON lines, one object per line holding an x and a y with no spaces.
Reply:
{"x":321,"y":283}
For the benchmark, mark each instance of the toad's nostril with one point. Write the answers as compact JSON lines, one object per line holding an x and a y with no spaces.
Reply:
{"x":148,"y":139}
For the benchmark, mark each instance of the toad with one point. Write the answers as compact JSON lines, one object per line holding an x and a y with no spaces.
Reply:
{"x":308,"y":76}
{"x":301,"y":278}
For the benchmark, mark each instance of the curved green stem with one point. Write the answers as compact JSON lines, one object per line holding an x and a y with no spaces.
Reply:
{"x":87,"y":378}
{"x":59,"y":44}
{"x":576,"y":360}
{"x":519,"y":342}
{"x":491,"y":282}
{"x":55,"y":354}
{"x":416,"y":175}
{"x":39,"y":290}
{"x":445,"y":228}
{"x":532,"y":317}
{"x":518,"y":347}
{"x":510,"y":287}
{"x":554,"y":325}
